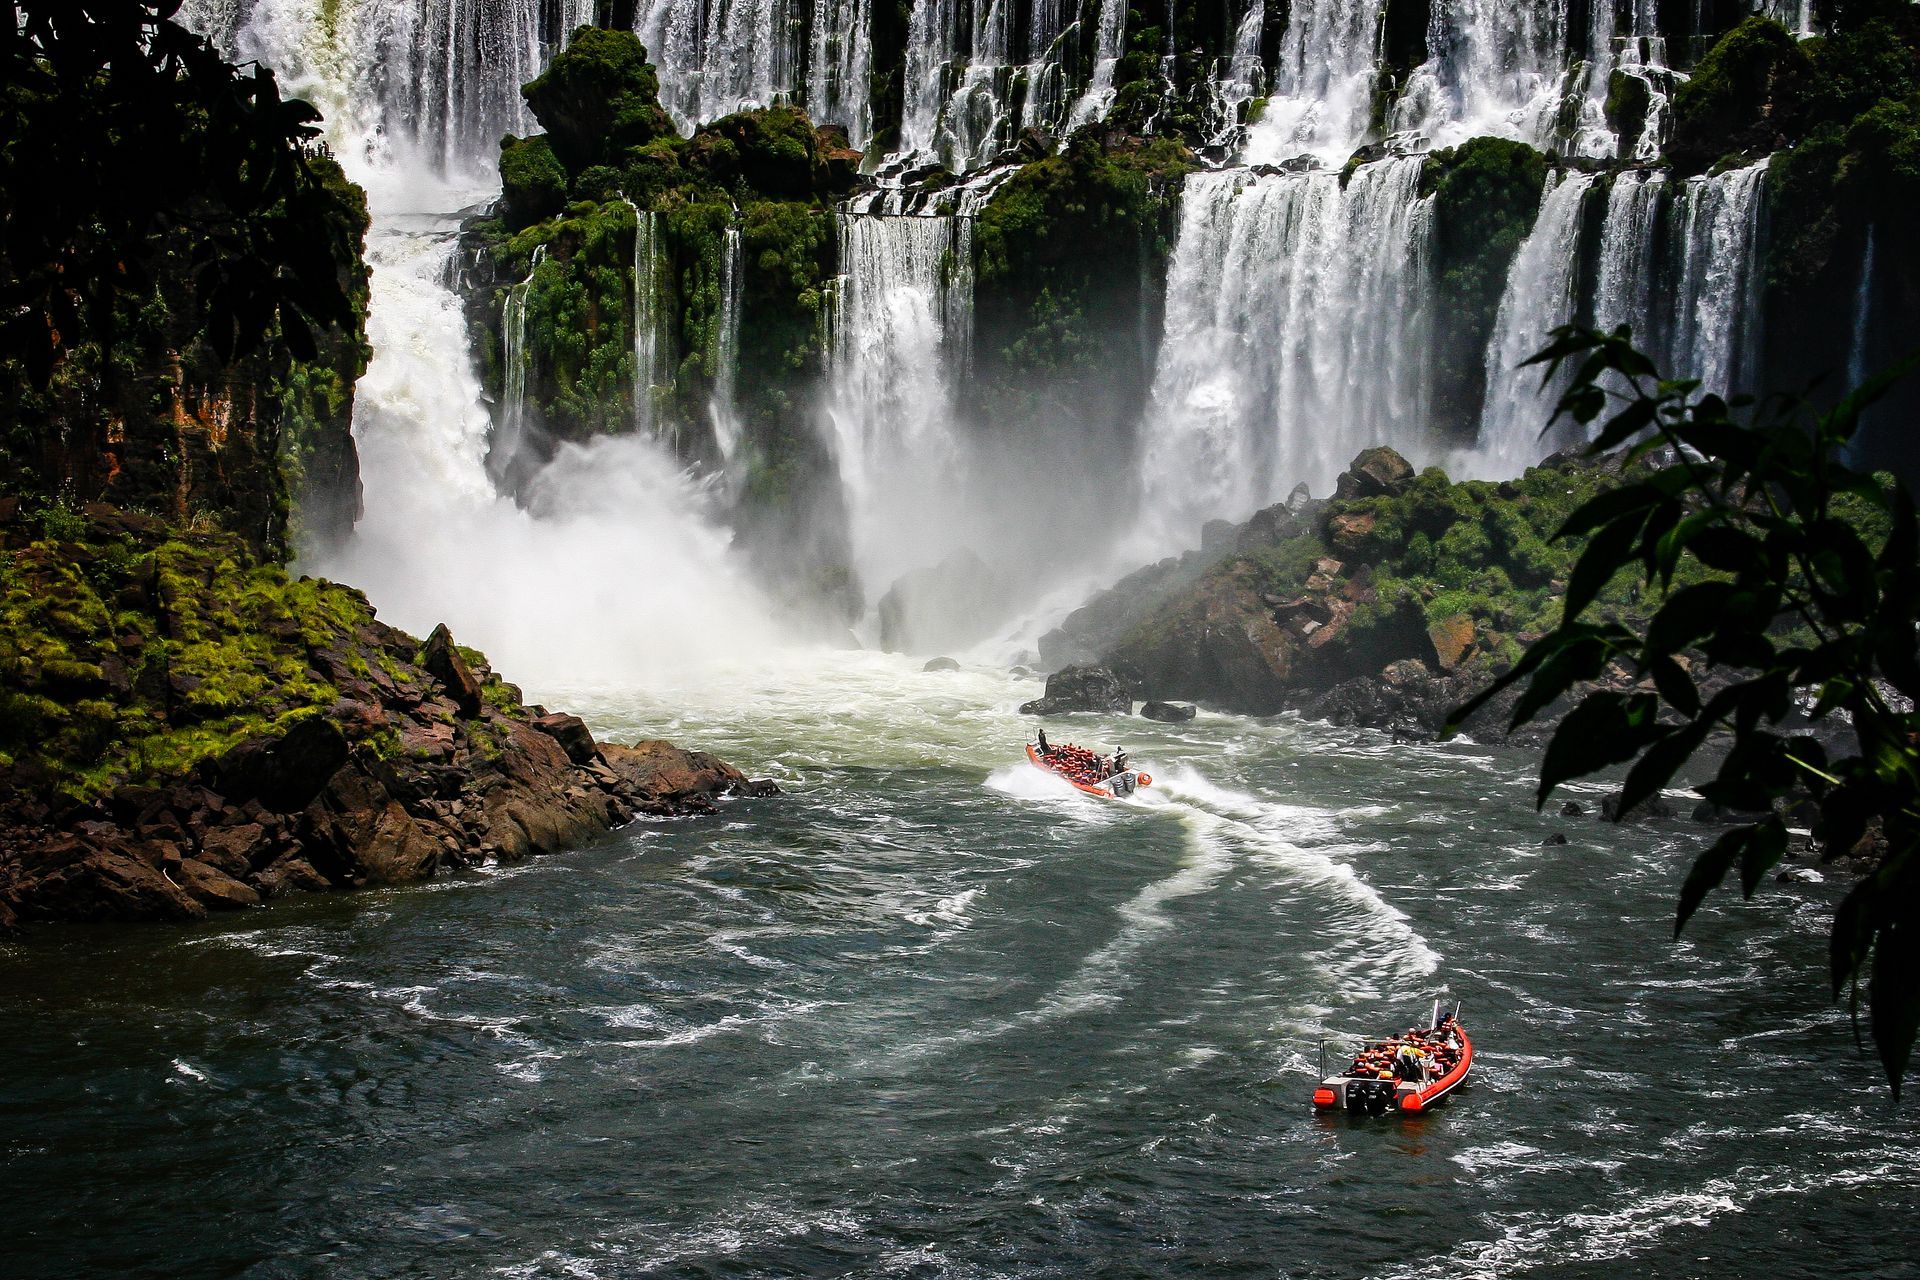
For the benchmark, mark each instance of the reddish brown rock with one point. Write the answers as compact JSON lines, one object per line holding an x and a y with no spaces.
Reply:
{"x":444,"y":663}
{"x":215,"y":889}
{"x":570,"y":732}
{"x":1453,"y":640}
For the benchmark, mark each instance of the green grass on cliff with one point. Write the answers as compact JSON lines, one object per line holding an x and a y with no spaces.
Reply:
{"x":130,"y":652}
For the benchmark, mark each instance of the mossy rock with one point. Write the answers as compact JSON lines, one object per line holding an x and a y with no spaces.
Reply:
{"x":599,"y":99}
{"x":533,"y":185}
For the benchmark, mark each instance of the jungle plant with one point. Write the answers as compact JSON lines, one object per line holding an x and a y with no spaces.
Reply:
{"x":1811,"y":598}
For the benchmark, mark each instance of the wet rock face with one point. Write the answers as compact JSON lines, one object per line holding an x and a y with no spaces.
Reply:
{"x":312,"y":746}
{"x":1375,"y":473}
{"x":1072,"y":689}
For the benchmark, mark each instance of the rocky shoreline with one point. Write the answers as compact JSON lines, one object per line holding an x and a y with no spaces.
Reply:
{"x":1385,"y":606}
{"x":185,"y":731}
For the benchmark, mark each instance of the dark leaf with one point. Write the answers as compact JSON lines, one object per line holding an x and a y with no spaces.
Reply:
{"x":1709,"y":869}
{"x":1607,"y":728}
{"x":1894,"y":993}
{"x":1762,"y":854}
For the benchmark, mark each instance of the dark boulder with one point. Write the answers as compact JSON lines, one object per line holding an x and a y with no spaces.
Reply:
{"x":941,"y":664}
{"x":1168,"y":712}
{"x":1375,"y":473}
{"x":287,"y":772}
{"x":1269,"y":527}
{"x":571,"y":733}
{"x":1082,"y":689}
{"x":1654,"y":806}
{"x":443,"y":662}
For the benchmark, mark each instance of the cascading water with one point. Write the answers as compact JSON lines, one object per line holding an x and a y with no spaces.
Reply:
{"x":1494,"y":67}
{"x":1109,"y":42}
{"x":1857,"y":355}
{"x":1323,"y":83}
{"x":840,"y":67}
{"x":653,"y":356}
{"x":726,"y":350}
{"x":547,"y":589}
{"x":1242,"y":78}
{"x":440,"y":81}
{"x":1629,"y":247}
{"x":1714,"y":335}
{"x":718,"y":56}
{"x":511,"y":433}
{"x":1541,"y":295}
{"x":898,"y":311}
{"x":1296,"y":327}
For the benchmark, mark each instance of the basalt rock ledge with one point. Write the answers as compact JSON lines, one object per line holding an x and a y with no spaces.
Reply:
{"x":185,"y":730}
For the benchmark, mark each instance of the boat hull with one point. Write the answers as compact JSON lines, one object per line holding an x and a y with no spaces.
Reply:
{"x":1361,"y":1095}
{"x":1118,"y":787}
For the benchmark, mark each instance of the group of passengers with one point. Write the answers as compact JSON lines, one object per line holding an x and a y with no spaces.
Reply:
{"x":1418,"y":1055}
{"x":1079,"y":764}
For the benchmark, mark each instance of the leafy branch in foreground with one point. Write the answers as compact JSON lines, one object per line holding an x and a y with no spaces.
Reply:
{"x":1805,"y":585}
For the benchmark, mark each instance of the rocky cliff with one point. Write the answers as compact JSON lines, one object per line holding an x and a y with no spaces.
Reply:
{"x":1386,"y":605}
{"x":185,"y":729}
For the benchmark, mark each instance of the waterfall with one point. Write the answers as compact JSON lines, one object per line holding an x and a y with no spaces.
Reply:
{"x":899,"y":309}
{"x":718,"y":56}
{"x":1628,"y":249}
{"x":1541,"y":295}
{"x":968,"y":94}
{"x":441,"y":81}
{"x":1857,"y":358}
{"x":726,"y":351}
{"x":1242,"y":78}
{"x":1714,"y":335}
{"x":1795,"y":15}
{"x":653,"y":356}
{"x":1322,"y":97}
{"x":1494,"y":67}
{"x":840,"y":68}
{"x":511,"y":437}
{"x":1296,"y":334}
{"x":1109,"y":42}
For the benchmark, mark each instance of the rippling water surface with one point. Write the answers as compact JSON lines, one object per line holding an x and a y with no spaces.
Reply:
{"x":931,"y":1014}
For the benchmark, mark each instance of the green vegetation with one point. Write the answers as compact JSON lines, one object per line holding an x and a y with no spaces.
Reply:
{"x":769,"y":174}
{"x":1062,"y":256}
{"x":180,"y":340}
{"x":1772,"y":561}
{"x":1486,"y":195}
{"x":130,"y":652}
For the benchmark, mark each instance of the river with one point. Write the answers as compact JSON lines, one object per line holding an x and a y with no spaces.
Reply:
{"x":929,"y":1013}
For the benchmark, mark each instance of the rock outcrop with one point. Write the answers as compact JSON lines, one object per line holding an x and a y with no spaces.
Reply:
{"x":221,"y":736}
{"x":1082,"y":689}
{"x":1386,"y":606}
{"x":949,"y":605}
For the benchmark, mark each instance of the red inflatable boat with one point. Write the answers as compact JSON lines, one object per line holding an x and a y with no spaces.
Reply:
{"x":1410,"y":1073}
{"x":1083,"y":769}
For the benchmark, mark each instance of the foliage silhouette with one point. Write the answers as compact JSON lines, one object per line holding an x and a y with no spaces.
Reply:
{"x":119,"y":128}
{"x":1813,"y":598}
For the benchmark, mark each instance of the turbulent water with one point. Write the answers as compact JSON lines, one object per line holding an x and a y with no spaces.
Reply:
{"x":930,"y":1014}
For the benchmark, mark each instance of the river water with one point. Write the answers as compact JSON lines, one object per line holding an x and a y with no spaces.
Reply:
{"x":930,"y":1013}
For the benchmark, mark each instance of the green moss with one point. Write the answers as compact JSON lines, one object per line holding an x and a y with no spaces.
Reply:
{"x":1739,"y":95}
{"x":1069,"y":256}
{"x":533,"y":184}
{"x":1486,"y":196}
{"x":598,"y":99}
